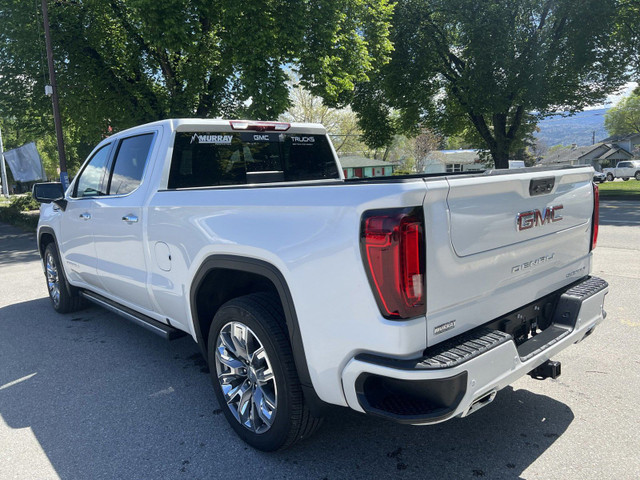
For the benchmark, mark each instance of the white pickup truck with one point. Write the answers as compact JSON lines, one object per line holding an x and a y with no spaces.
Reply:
{"x":413,"y":298}
{"x":625,"y":170}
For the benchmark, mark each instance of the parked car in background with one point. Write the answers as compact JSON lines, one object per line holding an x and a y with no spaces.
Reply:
{"x":599,"y":177}
{"x":624,"y":170}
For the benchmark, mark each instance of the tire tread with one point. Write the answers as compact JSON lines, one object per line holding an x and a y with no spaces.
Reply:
{"x":70,"y":300}
{"x":267,"y":307}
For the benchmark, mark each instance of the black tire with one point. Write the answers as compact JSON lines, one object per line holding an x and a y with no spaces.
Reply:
{"x":292,"y":421}
{"x":610,"y":177}
{"x":64,"y":298}
{"x":637,"y":175}
{"x":625,"y":178}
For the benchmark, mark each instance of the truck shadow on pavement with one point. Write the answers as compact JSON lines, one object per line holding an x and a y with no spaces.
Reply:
{"x":107,"y":399}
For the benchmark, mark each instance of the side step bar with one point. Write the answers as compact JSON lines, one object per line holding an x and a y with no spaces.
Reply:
{"x":165,"y":331}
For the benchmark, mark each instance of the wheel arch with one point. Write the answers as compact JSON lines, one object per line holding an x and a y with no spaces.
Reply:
{"x":46,"y":235}
{"x":259,"y":275}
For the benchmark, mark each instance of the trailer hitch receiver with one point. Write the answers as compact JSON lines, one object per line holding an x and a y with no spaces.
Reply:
{"x":548,"y":369}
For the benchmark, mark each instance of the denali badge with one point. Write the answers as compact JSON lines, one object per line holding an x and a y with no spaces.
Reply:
{"x":536,"y":218}
{"x":444,"y":327}
{"x":532,"y":263}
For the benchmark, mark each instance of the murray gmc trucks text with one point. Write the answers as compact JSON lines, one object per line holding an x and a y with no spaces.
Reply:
{"x":411,"y":298}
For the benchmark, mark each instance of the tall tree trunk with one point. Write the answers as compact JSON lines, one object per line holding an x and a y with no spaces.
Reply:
{"x":500,"y":154}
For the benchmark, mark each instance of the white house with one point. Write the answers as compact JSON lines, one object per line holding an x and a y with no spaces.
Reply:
{"x":449,"y":161}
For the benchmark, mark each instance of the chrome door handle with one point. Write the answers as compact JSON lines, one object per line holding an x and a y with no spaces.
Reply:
{"x":85,"y":216}
{"x":131,"y":218}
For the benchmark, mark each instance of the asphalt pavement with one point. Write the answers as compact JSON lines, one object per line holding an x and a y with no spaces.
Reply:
{"x":90,"y":396}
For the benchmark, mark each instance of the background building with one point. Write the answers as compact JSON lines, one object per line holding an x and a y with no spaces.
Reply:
{"x":363,"y":167}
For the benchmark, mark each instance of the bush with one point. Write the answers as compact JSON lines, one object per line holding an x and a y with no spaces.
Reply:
{"x":24,"y":203}
{"x":13,"y":213}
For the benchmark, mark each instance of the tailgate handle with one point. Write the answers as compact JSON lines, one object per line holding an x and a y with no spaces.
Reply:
{"x":540,"y":186}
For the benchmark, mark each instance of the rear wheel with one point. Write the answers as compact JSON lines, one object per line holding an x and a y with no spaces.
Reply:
{"x":610,"y":177}
{"x":254,"y":376}
{"x":637,"y":175}
{"x":63,"y":298}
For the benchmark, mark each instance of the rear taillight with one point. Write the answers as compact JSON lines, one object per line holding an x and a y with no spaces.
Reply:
{"x":392,"y":244}
{"x":595,"y":222}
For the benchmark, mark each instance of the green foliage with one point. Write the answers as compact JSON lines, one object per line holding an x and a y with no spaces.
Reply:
{"x":627,"y":33}
{"x":484,"y":68}
{"x":14,"y":212}
{"x":624,"y":118}
{"x":24,"y":203}
{"x":120,"y":63}
{"x":557,"y":148}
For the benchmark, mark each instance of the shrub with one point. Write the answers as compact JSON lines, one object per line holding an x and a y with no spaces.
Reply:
{"x":24,"y":203}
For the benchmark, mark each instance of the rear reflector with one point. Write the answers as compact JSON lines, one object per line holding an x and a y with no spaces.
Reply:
{"x":259,"y":126}
{"x":392,"y":246}
{"x":595,"y":222}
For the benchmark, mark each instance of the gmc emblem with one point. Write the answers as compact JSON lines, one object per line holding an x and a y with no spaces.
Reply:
{"x":535,"y":218}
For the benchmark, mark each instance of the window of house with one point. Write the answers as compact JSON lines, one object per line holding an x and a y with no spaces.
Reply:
{"x":454,"y":167}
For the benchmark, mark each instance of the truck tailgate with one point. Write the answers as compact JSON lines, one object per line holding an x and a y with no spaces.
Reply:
{"x":509,"y":240}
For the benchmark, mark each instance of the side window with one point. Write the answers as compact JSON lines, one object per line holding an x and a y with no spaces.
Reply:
{"x":129,"y":164}
{"x":90,"y":180}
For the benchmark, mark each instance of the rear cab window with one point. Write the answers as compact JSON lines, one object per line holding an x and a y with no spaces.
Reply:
{"x":209,"y":159}
{"x":130,"y":160}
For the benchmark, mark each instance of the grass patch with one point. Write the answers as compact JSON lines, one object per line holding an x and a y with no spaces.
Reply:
{"x":630,"y":188}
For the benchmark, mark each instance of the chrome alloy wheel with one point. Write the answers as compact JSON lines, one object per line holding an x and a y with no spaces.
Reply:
{"x":53,"y":279}
{"x":246,"y":378}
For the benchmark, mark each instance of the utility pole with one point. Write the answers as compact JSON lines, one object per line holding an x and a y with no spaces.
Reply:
{"x":5,"y":186}
{"x":64,"y":178}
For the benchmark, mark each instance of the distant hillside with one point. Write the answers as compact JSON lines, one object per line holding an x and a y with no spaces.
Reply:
{"x":579,"y":128}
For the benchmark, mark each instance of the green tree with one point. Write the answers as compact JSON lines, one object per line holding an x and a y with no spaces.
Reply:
{"x":492,"y":68}
{"x":124,"y":62}
{"x":627,"y":32}
{"x":624,"y":118}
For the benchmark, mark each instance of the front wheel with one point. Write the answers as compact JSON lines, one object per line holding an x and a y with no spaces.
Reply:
{"x":254,"y":375}
{"x":63,"y":298}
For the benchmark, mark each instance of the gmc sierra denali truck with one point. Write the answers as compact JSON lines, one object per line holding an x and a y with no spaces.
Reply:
{"x":413,"y":298}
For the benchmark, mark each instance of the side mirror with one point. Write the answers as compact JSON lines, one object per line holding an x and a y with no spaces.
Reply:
{"x":50,"y":192}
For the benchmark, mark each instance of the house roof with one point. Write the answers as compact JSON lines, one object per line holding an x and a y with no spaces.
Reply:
{"x":453,"y":156}
{"x":354,"y":161}
{"x":619,"y":138}
{"x":567,"y":155}
{"x":615,"y":151}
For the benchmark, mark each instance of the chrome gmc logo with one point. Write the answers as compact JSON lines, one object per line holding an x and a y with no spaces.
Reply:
{"x":535,"y":218}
